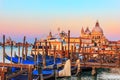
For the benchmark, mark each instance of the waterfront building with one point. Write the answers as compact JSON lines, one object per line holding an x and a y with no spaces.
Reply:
{"x":93,"y":41}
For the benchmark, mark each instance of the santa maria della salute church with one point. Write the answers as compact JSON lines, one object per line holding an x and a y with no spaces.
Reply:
{"x":96,"y":35}
{"x":90,"y":41}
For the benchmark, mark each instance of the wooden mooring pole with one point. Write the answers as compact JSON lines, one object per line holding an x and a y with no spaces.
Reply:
{"x":3,"y":70}
{"x":30,"y":73}
{"x":62,"y":46}
{"x":49,"y":48}
{"x":26,"y":49}
{"x":23,"y":57}
{"x":71,"y":53}
{"x":80,"y":45}
{"x":54,"y":54}
{"x":119,"y":60}
{"x":64,"y":49}
{"x":68,"y":53}
{"x":43,"y":56}
{"x":46,"y":48}
{"x":37,"y":53}
{"x":35,"y":43}
{"x":3,"y":48}
{"x":19,"y":53}
{"x":11,"y":51}
{"x":55,"y":66}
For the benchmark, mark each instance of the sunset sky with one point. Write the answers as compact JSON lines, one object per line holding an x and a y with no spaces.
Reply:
{"x":35,"y":18}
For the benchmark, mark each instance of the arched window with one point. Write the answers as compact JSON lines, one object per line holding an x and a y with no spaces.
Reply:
{"x":98,"y":37}
{"x":95,"y":44}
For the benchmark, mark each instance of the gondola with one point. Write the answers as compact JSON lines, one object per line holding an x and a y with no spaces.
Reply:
{"x":49,"y":59}
{"x":27,"y":61}
{"x":16,"y":60}
{"x":44,"y":71}
{"x":59,"y":72}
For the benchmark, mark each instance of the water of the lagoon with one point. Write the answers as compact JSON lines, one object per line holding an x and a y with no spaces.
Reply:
{"x":84,"y":75}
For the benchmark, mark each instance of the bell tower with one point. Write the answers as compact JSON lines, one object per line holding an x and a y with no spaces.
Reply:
{"x":82,"y":32}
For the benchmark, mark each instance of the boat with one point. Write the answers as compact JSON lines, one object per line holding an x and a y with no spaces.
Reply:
{"x":49,"y":70}
{"x":49,"y":59}
{"x":17,"y":60}
{"x":56,"y":72}
{"x":46,"y":73}
{"x":49,"y":63}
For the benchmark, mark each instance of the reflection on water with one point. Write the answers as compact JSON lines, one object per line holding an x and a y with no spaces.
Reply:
{"x":102,"y":74}
{"x":113,"y":74}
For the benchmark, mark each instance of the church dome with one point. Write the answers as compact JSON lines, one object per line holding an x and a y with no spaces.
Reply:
{"x":87,"y":31}
{"x":63,"y":34}
{"x":97,"y":28}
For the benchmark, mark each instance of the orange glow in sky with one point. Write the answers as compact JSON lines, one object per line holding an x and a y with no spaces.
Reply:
{"x":37,"y":18}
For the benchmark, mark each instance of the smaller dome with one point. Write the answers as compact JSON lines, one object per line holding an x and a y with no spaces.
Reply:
{"x":82,"y":31}
{"x":63,"y":34}
{"x":87,"y":31}
{"x":97,"y":28}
